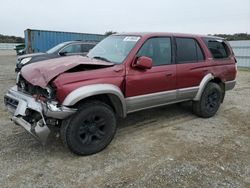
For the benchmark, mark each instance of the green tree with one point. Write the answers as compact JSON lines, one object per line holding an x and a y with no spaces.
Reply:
{"x":107,"y":33}
{"x":11,"y":39}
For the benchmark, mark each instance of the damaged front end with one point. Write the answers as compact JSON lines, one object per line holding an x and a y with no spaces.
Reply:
{"x":33,"y":101}
{"x":34,"y":114}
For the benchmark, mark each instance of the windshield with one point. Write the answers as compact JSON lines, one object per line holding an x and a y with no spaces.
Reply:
{"x":114,"y":48}
{"x":56,"y":48}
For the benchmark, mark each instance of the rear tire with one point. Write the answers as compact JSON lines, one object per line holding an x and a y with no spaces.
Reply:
{"x":209,"y":102}
{"x":90,"y":129}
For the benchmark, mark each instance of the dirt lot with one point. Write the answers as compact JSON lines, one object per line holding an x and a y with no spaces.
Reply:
{"x":164,"y":147}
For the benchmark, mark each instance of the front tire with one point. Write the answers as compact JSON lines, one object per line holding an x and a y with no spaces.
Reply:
{"x":90,"y":129}
{"x":209,"y":102}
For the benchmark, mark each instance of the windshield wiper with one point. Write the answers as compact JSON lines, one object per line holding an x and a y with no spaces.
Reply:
{"x":101,"y":58}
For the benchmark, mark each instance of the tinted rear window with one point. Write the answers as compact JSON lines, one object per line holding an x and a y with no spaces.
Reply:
{"x":188,"y":50}
{"x":218,"y":48}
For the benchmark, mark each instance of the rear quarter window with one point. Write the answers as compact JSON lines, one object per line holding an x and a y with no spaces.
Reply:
{"x":217,"y":47}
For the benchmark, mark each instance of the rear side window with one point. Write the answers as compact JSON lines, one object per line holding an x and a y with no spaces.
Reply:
{"x":188,"y":50}
{"x":218,"y":48}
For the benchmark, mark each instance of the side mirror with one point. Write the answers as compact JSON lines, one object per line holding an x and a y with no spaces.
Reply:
{"x":143,"y":62}
{"x":62,"y":53}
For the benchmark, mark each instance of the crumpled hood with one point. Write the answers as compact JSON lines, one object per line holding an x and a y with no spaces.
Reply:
{"x":41,"y":73}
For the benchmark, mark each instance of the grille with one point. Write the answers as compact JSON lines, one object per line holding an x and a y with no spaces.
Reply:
{"x":10,"y":102}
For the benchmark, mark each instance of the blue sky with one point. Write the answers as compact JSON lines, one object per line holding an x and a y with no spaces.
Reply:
{"x":96,"y":16}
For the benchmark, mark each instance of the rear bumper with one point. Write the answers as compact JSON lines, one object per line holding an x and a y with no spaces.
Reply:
{"x":229,"y":85}
{"x":19,"y":104}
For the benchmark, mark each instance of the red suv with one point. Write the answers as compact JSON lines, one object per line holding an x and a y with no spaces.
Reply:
{"x":82,"y":97}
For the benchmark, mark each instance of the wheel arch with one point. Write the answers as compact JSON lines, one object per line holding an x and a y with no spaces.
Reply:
{"x":206,"y":79}
{"x":108,"y":93}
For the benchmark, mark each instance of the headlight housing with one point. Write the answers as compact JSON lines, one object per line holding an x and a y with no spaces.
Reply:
{"x":18,"y":78}
{"x":49,"y":93}
{"x":25,"y":60}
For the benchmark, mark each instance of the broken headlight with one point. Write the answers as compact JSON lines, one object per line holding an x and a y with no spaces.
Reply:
{"x":25,"y":60}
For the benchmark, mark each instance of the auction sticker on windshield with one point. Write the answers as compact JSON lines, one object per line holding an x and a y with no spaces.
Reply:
{"x":132,"y":39}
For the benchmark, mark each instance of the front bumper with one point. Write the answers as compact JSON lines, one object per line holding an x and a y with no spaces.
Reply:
{"x":19,"y":104}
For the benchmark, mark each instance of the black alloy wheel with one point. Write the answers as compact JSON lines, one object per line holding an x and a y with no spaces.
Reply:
{"x":209,"y":102}
{"x":90,"y":129}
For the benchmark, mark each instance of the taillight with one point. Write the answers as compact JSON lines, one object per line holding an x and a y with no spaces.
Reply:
{"x":236,"y":68}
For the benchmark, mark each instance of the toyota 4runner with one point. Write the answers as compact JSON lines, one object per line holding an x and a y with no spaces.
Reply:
{"x":84,"y":96}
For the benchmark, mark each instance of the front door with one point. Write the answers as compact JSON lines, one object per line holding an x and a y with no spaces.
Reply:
{"x":155,"y":86}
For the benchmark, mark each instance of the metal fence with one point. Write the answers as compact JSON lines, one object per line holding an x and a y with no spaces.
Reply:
{"x":8,"y":46}
{"x":241,"y":50}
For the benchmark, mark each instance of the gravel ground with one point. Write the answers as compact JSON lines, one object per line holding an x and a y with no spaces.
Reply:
{"x":163,"y":147}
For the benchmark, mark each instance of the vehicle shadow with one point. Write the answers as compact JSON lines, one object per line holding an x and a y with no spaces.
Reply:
{"x":168,"y":113}
{"x":24,"y":143}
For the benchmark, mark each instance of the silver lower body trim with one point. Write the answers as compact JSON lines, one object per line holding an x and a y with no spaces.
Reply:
{"x":147,"y":101}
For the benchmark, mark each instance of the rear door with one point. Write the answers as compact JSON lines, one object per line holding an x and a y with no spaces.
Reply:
{"x":191,"y":66}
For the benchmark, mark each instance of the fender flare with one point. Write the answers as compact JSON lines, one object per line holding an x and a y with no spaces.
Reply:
{"x":202,"y":86}
{"x":96,"y":89}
